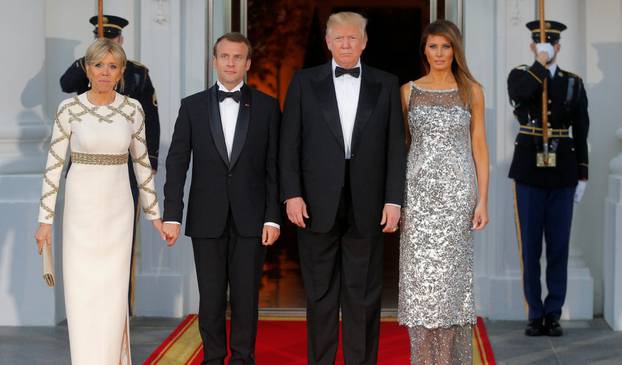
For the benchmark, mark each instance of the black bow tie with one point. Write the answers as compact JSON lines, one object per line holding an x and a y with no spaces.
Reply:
{"x":354,"y":72}
{"x":222,"y":95}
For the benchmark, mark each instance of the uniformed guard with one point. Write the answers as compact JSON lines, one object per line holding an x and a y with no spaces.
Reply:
{"x":136,"y":85}
{"x":550,"y":170}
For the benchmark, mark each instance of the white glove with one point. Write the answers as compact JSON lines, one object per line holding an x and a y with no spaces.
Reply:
{"x":578,"y":192}
{"x":546,"y":47}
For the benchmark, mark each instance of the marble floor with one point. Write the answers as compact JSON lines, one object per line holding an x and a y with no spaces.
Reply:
{"x":585,"y":342}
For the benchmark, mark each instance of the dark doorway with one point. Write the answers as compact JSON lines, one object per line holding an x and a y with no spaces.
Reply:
{"x":288,"y":35}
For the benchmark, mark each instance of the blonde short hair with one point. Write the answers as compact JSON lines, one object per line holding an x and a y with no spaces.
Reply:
{"x":346,"y":18}
{"x":100,"y":48}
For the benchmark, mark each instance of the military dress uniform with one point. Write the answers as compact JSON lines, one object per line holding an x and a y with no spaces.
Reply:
{"x":544,"y":194}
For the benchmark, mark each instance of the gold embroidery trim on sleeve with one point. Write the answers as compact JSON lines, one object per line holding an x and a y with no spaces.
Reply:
{"x":149,"y":208}
{"x":137,"y":135}
{"x":59,"y":164}
{"x":143,"y":161}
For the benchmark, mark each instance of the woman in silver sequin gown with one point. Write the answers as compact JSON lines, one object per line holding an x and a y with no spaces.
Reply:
{"x":445,"y":200}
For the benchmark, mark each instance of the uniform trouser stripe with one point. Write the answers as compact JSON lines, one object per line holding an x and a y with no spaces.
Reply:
{"x":519,"y":241}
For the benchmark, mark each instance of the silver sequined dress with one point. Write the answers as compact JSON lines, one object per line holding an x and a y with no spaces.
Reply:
{"x":436,"y":248}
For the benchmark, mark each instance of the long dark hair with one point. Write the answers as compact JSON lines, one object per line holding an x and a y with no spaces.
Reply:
{"x":459,"y":67}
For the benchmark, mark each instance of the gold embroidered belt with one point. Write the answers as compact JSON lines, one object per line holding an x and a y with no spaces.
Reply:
{"x":535,"y":131}
{"x":98,"y":159}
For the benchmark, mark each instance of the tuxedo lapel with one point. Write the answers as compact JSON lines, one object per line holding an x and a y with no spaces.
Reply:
{"x":215,"y":124}
{"x":325,"y":92}
{"x":241,"y":126}
{"x":368,"y":97}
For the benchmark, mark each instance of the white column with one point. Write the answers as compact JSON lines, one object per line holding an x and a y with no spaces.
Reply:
{"x":126,"y":9}
{"x":173,"y":45}
{"x":612,"y":258}
{"x":603,"y":80}
{"x":571,"y":13}
{"x":24,"y":130}
{"x":159,"y":287}
{"x":479,"y":29}
{"x":510,"y":47}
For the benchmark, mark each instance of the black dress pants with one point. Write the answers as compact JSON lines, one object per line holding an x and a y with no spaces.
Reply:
{"x":342,"y":268}
{"x":235,"y":261}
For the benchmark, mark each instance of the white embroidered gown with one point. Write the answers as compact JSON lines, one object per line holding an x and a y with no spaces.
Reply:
{"x":98,"y":219}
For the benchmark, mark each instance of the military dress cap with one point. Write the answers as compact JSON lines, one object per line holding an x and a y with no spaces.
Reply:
{"x":112,"y":25}
{"x":552,"y":30}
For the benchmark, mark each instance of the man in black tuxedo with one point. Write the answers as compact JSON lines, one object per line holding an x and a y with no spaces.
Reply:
{"x":231,"y":131}
{"x":342,"y":166}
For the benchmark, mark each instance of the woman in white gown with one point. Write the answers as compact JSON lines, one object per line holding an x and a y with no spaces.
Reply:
{"x":100,"y":126}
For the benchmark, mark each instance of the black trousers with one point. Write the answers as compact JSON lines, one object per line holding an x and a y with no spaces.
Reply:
{"x":235,"y":261}
{"x":342,"y":268}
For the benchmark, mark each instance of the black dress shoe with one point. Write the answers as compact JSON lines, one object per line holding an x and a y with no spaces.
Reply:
{"x":552,"y":327}
{"x":534,"y":328}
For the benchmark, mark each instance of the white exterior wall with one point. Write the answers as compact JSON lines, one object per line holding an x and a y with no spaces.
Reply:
{"x":169,"y":37}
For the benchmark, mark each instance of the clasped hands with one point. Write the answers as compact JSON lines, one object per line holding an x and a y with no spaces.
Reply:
{"x":296,"y":209}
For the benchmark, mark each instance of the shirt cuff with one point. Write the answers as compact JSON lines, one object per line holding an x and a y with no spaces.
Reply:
{"x":272,"y":224}
{"x":395,"y":205}
{"x":172,"y":222}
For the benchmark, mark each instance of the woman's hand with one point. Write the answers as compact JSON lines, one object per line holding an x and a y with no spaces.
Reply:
{"x":43,"y":236}
{"x":157,"y":224}
{"x":480,"y":217}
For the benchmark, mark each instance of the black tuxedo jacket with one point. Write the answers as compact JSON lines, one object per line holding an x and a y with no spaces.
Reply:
{"x":246,"y":184}
{"x":311,"y":156}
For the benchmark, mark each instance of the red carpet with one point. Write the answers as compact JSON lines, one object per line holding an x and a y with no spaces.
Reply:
{"x":283,"y":342}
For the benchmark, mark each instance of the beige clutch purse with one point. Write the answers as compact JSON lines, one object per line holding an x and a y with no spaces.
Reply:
{"x":48,"y":265}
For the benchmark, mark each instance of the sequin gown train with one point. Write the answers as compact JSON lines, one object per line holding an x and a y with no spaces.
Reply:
{"x":436,"y":249}
{"x":97,"y":219}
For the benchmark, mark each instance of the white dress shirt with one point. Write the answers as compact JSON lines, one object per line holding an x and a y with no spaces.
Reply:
{"x":229,"y":110}
{"x":347,"y":89}
{"x":552,"y":68}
